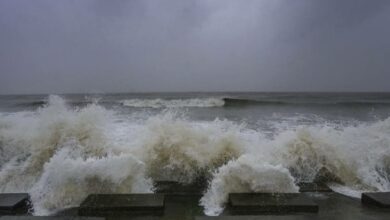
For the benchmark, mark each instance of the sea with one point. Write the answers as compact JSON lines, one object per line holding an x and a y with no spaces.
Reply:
{"x":60,"y":148}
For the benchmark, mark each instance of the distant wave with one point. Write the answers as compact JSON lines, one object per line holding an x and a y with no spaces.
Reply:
{"x":43,"y":103}
{"x":286,"y":101}
{"x":174,"y":103}
{"x":32,"y":104}
{"x":240,"y":102}
{"x":210,"y":102}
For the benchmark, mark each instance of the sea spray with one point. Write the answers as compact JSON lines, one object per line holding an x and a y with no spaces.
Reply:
{"x":34,"y":139}
{"x":246,"y":174}
{"x":67,"y":181}
{"x":180,"y":150}
{"x":358,"y":155}
{"x":60,"y":154}
{"x":64,"y":155}
{"x":297,"y":155}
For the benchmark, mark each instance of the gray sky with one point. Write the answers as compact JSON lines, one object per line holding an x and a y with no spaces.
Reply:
{"x":74,"y":46}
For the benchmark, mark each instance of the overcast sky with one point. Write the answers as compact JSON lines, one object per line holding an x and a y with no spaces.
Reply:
{"x":71,"y":46}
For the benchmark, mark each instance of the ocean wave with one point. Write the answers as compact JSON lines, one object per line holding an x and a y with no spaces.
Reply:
{"x":290,"y":101}
{"x":60,"y":154}
{"x":65,"y":181}
{"x":204,"y":102}
{"x":246,"y":174}
{"x":174,"y":103}
{"x":183,"y":151}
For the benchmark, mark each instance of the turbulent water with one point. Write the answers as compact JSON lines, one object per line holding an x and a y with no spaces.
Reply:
{"x":62,"y":148}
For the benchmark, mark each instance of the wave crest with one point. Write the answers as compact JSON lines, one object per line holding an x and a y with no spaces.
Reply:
{"x":66,"y":182}
{"x":56,"y":152}
{"x":246,"y":174}
{"x":174,"y":103}
{"x":178,"y":150}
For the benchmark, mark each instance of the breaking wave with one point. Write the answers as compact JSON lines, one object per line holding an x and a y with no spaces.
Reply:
{"x":204,"y":102}
{"x":60,"y":154}
{"x":174,"y":103}
{"x":302,"y":101}
{"x":246,"y":174}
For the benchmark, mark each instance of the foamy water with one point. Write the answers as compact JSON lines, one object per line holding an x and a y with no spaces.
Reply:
{"x":60,"y":154}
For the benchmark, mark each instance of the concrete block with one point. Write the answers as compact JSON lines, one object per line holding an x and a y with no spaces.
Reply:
{"x":138,"y":218}
{"x":122,"y":204}
{"x":14,"y":203}
{"x":257,"y":203}
{"x":259,"y":217}
{"x":49,"y":218}
{"x":379,"y":199}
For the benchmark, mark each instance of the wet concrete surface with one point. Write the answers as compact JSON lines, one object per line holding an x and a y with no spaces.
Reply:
{"x":331,"y":206}
{"x":122,"y":204}
{"x":272,"y":203}
{"x":339,"y":207}
{"x":377,"y":199}
{"x":48,"y":218}
{"x":262,"y":217}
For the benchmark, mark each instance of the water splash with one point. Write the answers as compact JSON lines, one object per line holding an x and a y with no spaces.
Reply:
{"x":60,"y":154}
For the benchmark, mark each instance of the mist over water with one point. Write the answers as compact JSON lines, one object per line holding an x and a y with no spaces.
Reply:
{"x":60,"y":149}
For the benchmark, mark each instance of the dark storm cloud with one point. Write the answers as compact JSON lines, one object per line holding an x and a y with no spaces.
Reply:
{"x":193,"y":45}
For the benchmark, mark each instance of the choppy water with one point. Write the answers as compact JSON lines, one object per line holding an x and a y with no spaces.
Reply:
{"x":62,"y":148}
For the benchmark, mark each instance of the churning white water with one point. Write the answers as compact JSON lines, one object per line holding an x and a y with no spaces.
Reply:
{"x":60,"y":154}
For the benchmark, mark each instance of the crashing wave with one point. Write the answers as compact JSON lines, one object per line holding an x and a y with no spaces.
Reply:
{"x":43,"y":153}
{"x":60,"y":154}
{"x":179,"y":150}
{"x":246,"y":174}
{"x":66,"y":182}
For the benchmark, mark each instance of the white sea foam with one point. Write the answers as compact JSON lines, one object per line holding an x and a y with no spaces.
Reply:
{"x":246,"y":174}
{"x":66,"y":180}
{"x":59,"y":155}
{"x":180,"y":150}
{"x":174,"y":103}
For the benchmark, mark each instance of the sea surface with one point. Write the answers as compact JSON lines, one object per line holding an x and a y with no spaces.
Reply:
{"x":60,"y":148}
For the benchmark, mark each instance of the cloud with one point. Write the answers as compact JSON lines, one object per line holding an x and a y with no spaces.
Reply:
{"x":187,"y":45}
